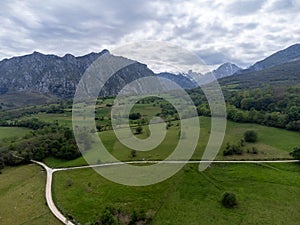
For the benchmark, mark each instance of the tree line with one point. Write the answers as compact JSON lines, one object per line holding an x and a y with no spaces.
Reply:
{"x":48,"y":139}
{"x":276,"y":107}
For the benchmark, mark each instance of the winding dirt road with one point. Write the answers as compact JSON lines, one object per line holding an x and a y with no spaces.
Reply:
{"x":48,"y":194}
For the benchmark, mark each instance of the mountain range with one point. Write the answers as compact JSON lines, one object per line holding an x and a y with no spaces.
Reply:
{"x":280,"y":68}
{"x":52,"y":75}
{"x":289,"y":54}
{"x":59,"y":76}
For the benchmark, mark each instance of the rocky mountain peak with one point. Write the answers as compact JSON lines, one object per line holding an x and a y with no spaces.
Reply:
{"x":225,"y":70}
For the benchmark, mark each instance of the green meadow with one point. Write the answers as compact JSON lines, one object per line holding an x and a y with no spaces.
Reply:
{"x":12,"y":132}
{"x":273,"y":143}
{"x":22,"y":199}
{"x":266,"y":193}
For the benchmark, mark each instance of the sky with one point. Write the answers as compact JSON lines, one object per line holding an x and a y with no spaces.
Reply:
{"x":218,"y":31}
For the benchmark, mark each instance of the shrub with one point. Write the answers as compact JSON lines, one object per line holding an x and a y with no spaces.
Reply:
{"x":138,"y":217}
{"x":229,"y":200}
{"x":250,"y":136}
{"x":134,"y":116}
{"x":133,"y":153}
{"x":242,"y":143}
{"x":296,"y":153}
{"x":107,"y":217}
{"x":233,"y":150}
{"x":254,"y":150}
{"x":69,"y":183}
{"x":138,"y":130}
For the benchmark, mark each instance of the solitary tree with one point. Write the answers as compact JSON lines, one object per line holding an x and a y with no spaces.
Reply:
{"x":296,"y":153}
{"x":133,"y":153}
{"x":250,"y":136}
{"x":138,"y":130}
{"x":229,"y":200}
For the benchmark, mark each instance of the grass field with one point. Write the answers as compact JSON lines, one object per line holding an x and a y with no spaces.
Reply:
{"x":267,"y":194}
{"x":272,"y":143}
{"x":10,"y":132}
{"x":22,"y":198}
{"x":22,"y":99}
{"x":61,"y":118}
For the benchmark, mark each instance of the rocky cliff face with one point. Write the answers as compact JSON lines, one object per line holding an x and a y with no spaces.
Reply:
{"x":59,"y":76}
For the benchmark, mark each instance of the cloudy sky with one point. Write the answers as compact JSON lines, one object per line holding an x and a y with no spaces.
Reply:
{"x":239,"y":31}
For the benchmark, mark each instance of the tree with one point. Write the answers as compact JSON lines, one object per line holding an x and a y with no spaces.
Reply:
{"x":242,"y":143}
{"x":133,"y":153}
{"x":135,"y":116}
{"x":138,"y":217}
{"x":138,"y":130}
{"x":293,"y":125}
{"x":233,"y":149}
{"x":1,"y":163}
{"x":296,"y":153}
{"x":107,"y":217}
{"x":254,"y":150}
{"x":229,"y":200}
{"x":293,"y":113}
{"x":250,"y":136}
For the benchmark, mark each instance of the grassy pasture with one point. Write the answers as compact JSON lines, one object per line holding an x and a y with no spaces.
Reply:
{"x":22,"y":199}
{"x":267,"y":194}
{"x":10,"y":132}
{"x":273,"y":143}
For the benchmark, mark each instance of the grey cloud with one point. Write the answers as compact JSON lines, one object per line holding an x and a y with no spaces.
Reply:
{"x":245,"y":7}
{"x":214,"y":57}
{"x":245,"y":26}
{"x":247,"y":45}
{"x":281,"y":5}
{"x":112,"y":20}
{"x":211,"y":29}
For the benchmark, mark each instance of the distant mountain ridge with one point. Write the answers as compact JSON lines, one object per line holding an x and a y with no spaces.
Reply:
{"x":286,"y":55}
{"x":180,"y":79}
{"x":280,"y":68}
{"x":280,"y":75}
{"x":59,"y":76}
{"x":44,"y":73}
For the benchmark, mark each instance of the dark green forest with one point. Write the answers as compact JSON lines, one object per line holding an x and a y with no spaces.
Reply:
{"x":270,"y":106}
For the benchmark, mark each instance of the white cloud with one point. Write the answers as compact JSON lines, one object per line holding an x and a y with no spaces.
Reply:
{"x":238,"y":31}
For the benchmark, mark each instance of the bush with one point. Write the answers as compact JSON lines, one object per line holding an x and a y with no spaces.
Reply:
{"x":138,"y":217}
{"x":135,"y":116}
{"x":138,"y":130}
{"x":229,"y":200}
{"x":69,"y":183}
{"x":242,"y":143}
{"x":133,"y":153}
{"x":233,"y":150}
{"x":250,"y":136}
{"x":254,"y":150}
{"x":107,"y":217}
{"x":296,"y":153}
